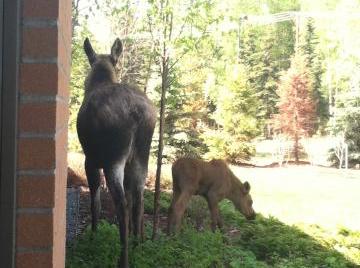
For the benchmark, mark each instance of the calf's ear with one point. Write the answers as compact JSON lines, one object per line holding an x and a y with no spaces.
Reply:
{"x":246,"y":187}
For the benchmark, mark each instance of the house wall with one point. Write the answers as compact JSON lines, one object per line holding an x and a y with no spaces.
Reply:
{"x":44,"y":70}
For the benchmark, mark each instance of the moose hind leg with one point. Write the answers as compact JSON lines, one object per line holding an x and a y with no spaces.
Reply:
{"x":130,"y":203}
{"x":115,"y":180}
{"x":135,"y":175}
{"x":138,"y":212}
{"x":93,"y":177}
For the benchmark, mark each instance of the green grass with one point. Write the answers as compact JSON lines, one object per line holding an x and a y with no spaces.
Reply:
{"x":95,"y":250}
{"x":265,"y":242}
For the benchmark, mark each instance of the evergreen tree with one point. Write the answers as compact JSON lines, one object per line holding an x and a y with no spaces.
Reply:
{"x":262,"y":71}
{"x":310,"y":50}
{"x":185,"y":109}
{"x":297,"y":113}
{"x":235,"y":118}
{"x":248,"y":47}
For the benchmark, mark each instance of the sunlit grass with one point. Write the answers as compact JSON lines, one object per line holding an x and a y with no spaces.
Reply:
{"x":299,"y":194}
{"x":309,"y":219}
{"x":265,"y":242}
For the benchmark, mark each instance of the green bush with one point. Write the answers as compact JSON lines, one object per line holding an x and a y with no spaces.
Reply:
{"x":95,"y":250}
{"x":347,"y":123}
{"x":264,"y":242}
{"x":281,"y":245}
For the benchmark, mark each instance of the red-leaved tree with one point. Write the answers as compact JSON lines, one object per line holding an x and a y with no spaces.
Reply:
{"x":297,"y":109}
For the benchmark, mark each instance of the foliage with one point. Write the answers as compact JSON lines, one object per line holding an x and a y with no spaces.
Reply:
{"x":79,"y":69}
{"x":205,"y":48}
{"x":263,"y":73}
{"x":296,"y":116}
{"x":310,"y":50}
{"x":235,"y":116}
{"x":185,"y":109}
{"x":284,"y":36}
{"x":264,"y":242}
{"x":185,"y":39}
{"x":339,"y":44}
{"x":176,"y":28}
{"x":347,"y":122}
{"x":95,"y":250}
{"x":137,"y":56}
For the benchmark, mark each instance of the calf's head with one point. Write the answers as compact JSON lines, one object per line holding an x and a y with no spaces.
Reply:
{"x":243,"y":201}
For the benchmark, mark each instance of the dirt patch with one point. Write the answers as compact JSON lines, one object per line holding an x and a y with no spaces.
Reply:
{"x":107,"y":211}
{"x":84,"y":216}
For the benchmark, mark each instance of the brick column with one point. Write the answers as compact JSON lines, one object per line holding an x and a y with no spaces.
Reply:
{"x":42,"y":133}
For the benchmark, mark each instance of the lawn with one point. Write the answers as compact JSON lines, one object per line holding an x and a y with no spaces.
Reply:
{"x":301,"y":194}
{"x":306,"y":194}
{"x":308,"y":217}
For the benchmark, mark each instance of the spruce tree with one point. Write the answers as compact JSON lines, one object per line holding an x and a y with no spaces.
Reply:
{"x":297,"y":110}
{"x":257,"y":57}
{"x":314,"y":64}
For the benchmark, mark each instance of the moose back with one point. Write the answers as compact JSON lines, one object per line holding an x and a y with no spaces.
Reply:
{"x":115,"y":126}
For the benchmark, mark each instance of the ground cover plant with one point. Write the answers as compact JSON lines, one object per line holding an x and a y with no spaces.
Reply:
{"x":265,"y":242}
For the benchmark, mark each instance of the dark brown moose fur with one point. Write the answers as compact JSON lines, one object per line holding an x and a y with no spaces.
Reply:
{"x":115,"y":125}
{"x":212,"y":180}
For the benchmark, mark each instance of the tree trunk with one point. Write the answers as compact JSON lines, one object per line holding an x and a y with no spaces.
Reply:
{"x":148,"y":72}
{"x":164,"y":86}
{"x":75,"y":15}
{"x":296,"y":148}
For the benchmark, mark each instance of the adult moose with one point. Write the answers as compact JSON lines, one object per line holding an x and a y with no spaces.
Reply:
{"x":115,"y":125}
{"x":212,"y":180}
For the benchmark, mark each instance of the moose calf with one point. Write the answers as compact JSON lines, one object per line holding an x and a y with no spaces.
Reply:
{"x":115,"y":126}
{"x":212,"y":180}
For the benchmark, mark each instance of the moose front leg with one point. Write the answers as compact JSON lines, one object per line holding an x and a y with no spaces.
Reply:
{"x":171,"y":214}
{"x":177,"y":209}
{"x":93,"y":178}
{"x":135,"y":174}
{"x":115,"y":181}
{"x":214,"y":212}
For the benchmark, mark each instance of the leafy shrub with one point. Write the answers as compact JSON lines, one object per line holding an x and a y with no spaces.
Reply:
{"x":282,"y":245}
{"x":164,"y":202}
{"x":264,"y":242}
{"x":347,"y":122}
{"x":98,"y":249}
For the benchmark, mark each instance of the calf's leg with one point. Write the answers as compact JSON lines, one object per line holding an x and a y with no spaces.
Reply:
{"x":214,"y":212}
{"x":171,"y":213}
{"x":178,"y":207}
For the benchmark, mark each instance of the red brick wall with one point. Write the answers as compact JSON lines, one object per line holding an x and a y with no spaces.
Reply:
{"x":42,"y":126}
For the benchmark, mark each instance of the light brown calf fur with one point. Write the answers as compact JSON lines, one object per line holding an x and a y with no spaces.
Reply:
{"x":212,"y":180}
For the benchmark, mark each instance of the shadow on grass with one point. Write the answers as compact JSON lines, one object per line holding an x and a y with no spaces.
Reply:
{"x":265,"y":242}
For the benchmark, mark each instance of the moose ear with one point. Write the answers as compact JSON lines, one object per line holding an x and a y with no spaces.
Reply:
{"x":90,"y":53}
{"x":246,"y":187}
{"x":116,"y":50}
